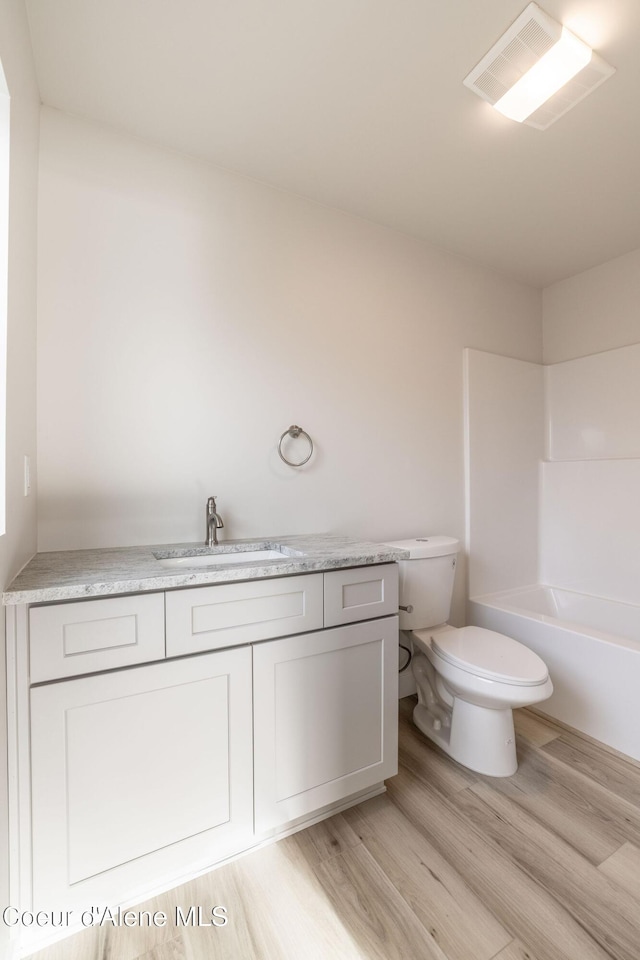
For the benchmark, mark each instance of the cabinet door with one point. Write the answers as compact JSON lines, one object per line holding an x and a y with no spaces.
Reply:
{"x":325,"y":718}
{"x":138,"y":775}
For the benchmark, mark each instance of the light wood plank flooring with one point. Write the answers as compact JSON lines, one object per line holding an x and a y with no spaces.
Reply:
{"x":447,"y":865}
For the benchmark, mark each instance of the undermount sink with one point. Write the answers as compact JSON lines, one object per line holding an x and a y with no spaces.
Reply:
{"x":225,"y":555}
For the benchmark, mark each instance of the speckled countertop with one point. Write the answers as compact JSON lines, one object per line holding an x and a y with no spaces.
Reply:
{"x":74,"y":574}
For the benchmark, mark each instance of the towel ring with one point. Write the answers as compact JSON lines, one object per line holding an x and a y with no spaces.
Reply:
{"x":294,"y":432}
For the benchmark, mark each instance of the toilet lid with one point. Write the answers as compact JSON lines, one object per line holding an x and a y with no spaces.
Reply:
{"x":491,"y":655}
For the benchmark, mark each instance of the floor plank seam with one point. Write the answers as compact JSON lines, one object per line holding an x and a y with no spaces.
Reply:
{"x":524,"y":870}
{"x":595,"y":928}
{"x":589,"y":779}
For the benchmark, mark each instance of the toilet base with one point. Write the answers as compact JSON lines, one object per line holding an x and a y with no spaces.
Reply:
{"x":479,"y":738}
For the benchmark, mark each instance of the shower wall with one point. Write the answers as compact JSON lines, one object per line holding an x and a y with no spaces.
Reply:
{"x":553,"y":473}
{"x":591,"y":482}
{"x":504,"y":444}
{"x":590,"y":507}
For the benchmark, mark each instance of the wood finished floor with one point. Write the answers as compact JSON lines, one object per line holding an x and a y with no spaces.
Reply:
{"x":447,"y":865}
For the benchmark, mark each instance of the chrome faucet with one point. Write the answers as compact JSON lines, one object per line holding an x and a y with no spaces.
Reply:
{"x":214,"y":523}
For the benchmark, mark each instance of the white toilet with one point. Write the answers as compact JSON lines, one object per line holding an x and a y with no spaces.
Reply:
{"x":469,"y":679}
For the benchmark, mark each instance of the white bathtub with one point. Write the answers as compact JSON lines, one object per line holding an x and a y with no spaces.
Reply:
{"x":592,"y":649}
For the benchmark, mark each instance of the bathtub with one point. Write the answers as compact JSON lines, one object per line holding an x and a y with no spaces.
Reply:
{"x":592,"y":649}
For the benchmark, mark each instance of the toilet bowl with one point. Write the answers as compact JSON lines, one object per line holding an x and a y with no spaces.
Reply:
{"x":468,"y":679}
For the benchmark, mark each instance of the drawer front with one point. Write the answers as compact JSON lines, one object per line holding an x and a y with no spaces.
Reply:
{"x":68,"y":639}
{"x":360,"y":593}
{"x":206,"y":618}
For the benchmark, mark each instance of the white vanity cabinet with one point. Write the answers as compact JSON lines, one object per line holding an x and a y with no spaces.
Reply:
{"x":137,"y":772}
{"x":153,"y":735}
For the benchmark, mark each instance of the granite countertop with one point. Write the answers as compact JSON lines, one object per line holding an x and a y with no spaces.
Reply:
{"x":77,"y":574}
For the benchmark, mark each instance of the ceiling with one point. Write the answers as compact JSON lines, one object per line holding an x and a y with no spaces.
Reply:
{"x":360,"y":104}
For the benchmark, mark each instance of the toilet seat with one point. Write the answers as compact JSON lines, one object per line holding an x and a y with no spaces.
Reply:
{"x":487,"y":654}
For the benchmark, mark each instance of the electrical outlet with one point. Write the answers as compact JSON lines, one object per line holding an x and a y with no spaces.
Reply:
{"x":27,"y":476}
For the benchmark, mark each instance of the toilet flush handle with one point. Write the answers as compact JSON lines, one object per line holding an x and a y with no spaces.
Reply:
{"x":407,"y":609}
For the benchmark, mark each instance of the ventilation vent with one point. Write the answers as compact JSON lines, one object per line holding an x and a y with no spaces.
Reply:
{"x":573,"y":92}
{"x":527,"y":39}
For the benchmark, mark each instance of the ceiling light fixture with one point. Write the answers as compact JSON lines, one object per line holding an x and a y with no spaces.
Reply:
{"x":537,"y":71}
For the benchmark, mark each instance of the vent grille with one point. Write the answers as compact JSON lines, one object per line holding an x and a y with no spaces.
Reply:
{"x":526,"y":40}
{"x":534,"y":35}
{"x":572,"y":93}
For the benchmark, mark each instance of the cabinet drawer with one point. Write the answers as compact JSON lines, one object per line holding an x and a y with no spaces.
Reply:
{"x":360,"y":593}
{"x":206,"y":618}
{"x":67,"y":639}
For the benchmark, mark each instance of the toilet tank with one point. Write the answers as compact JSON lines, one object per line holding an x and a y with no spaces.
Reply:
{"x":426,"y":580}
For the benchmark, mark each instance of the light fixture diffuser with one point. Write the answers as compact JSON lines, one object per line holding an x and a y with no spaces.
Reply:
{"x":537,"y":71}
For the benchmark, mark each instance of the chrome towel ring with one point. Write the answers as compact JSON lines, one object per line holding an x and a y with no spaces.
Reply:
{"x":294,"y":432}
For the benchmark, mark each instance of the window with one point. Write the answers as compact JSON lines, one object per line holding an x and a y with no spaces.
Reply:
{"x":4,"y":269}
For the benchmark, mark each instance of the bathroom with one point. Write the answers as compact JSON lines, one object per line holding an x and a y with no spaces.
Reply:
{"x":187,"y":314}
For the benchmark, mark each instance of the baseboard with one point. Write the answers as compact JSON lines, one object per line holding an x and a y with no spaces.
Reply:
{"x":552,"y":722}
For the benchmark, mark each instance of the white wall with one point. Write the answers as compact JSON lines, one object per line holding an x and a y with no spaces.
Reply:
{"x":594,"y":406}
{"x":18,"y":544}
{"x":187,"y":316}
{"x":594,"y":311}
{"x":504,"y":447}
